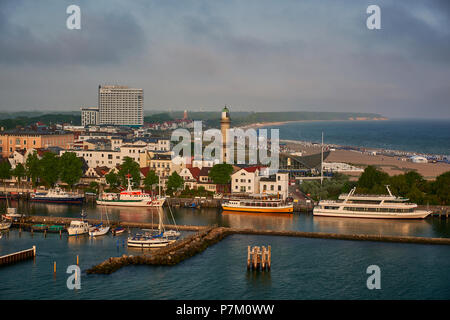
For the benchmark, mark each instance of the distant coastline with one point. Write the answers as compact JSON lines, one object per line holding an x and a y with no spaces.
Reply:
{"x":279,"y":123}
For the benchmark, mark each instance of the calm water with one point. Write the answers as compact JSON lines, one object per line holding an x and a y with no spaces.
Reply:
{"x":422,"y":136}
{"x":301,"y":268}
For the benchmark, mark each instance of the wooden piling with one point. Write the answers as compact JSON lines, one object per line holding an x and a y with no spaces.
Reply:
{"x":258,"y":258}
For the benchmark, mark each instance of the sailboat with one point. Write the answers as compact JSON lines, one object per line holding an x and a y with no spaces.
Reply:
{"x":153,"y":238}
{"x":100,"y":229}
{"x":6,"y":221}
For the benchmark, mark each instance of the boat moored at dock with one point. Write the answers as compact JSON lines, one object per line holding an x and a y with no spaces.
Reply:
{"x":353,"y":205}
{"x":261,"y":204}
{"x":130,"y":198}
{"x":57,"y":195}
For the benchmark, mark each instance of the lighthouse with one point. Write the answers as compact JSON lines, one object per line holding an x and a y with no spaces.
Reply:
{"x":224,"y":126}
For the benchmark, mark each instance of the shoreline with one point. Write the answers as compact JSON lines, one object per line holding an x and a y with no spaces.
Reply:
{"x":391,"y":152}
{"x":278,"y":123}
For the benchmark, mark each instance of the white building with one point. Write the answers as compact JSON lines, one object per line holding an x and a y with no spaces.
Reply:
{"x":121,"y":105}
{"x":246,"y":180}
{"x":277,"y":184}
{"x":340,"y":167}
{"x":89,"y":116}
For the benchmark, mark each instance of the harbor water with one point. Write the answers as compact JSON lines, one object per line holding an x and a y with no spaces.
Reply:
{"x":301,"y":268}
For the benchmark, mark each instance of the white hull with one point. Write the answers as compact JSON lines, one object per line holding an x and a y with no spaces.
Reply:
{"x":98,"y":231}
{"x":153,"y":203}
{"x":76,"y":232}
{"x":5,"y":225}
{"x":419,"y":214}
{"x":153,"y":243}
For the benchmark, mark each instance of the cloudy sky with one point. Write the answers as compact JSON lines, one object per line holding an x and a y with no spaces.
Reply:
{"x":261,"y":55}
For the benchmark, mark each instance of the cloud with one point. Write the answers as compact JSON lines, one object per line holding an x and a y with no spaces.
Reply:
{"x":105,"y":37}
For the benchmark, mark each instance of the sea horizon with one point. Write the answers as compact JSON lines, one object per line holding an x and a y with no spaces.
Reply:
{"x":421,"y":136}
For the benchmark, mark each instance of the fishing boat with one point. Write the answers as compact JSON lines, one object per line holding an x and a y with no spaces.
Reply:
{"x":154,"y":238}
{"x":79,"y":227}
{"x":353,"y":205}
{"x":130,"y":198}
{"x":57,"y":195}
{"x":258,"y":203}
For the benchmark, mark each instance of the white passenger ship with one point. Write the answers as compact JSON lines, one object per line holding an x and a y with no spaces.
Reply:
{"x":352,"y":205}
{"x":130,"y":198}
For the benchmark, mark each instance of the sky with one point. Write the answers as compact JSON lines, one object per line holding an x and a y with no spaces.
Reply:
{"x":252,"y":55}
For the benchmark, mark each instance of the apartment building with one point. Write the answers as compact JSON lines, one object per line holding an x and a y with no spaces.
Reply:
{"x":89,"y":116}
{"x":18,"y":139}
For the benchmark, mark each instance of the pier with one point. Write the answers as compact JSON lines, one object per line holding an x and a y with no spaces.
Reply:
{"x":18,"y":256}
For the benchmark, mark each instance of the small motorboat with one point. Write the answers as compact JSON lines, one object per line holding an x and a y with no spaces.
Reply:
{"x":5,"y":225}
{"x":118,"y":230}
{"x":79,"y":227}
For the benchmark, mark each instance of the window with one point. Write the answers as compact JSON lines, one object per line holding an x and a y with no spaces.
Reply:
{"x":279,"y":188}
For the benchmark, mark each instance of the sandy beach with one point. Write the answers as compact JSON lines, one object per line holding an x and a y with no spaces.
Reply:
{"x":389,"y":164}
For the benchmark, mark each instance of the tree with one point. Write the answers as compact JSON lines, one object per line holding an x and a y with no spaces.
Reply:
{"x":150,"y":180}
{"x":442,"y":188}
{"x":19,"y":172}
{"x":131,"y":167}
{"x":5,"y":171}
{"x":71,"y":168}
{"x":93,"y":187}
{"x":372,"y":181}
{"x":174,"y":183}
{"x":50,"y":168}
{"x":112,"y":179}
{"x":220,"y":174}
{"x":33,"y":168}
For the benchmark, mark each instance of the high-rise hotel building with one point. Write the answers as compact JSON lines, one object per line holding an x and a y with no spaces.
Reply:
{"x":121,"y":105}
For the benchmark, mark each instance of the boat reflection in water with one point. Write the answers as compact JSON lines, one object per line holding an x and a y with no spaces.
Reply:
{"x":260,"y":220}
{"x":372,"y":226}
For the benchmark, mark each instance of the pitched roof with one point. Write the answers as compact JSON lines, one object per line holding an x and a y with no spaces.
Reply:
{"x":204,"y":171}
{"x":253,"y":168}
{"x":144,"y":171}
{"x":195,"y":172}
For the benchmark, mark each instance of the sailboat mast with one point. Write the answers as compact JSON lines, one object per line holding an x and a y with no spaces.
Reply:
{"x":321,"y":163}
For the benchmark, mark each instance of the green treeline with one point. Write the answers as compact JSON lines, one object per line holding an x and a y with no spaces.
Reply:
{"x":410,"y":185}
{"x":51,"y":118}
{"x":48,"y":170}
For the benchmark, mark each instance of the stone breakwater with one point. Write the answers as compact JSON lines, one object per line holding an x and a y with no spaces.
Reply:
{"x":170,"y":255}
{"x":197,"y":243}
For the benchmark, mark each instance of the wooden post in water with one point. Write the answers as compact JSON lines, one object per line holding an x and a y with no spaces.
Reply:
{"x":258,"y":258}
{"x":248,"y":258}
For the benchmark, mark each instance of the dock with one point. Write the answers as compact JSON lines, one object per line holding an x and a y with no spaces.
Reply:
{"x":18,"y":256}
